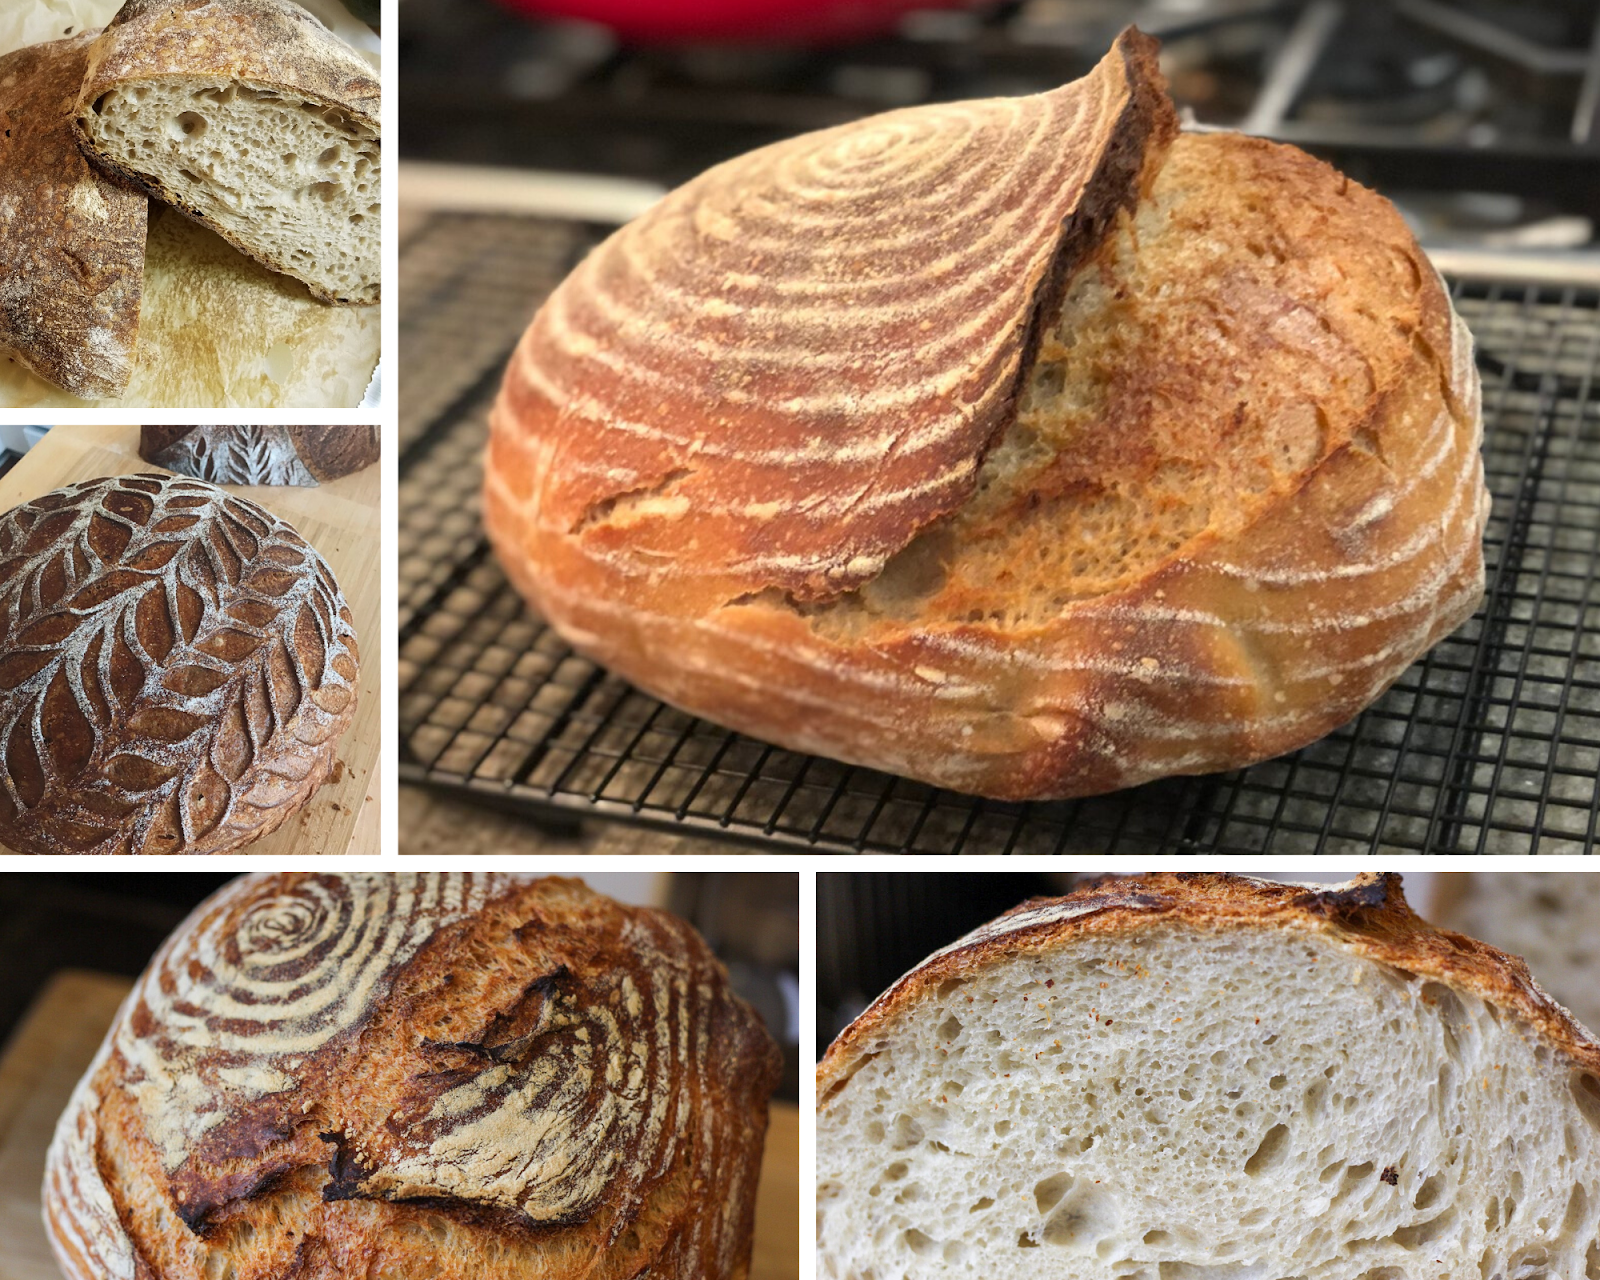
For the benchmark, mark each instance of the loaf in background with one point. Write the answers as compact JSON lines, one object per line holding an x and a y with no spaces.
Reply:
{"x":1549,"y":918}
{"x":306,"y":456}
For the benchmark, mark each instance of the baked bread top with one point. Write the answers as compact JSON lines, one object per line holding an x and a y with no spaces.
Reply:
{"x":261,"y":455}
{"x":71,"y":239}
{"x":456,"y":1076}
{"x":1186,"y":488}
{"x":1195,"y":1075}
{"x":176,"y":667}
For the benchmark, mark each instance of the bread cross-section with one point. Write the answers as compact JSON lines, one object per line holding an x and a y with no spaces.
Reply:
{"x":1178,"y":1077}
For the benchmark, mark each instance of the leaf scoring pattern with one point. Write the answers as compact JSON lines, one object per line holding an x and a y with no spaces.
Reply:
{"x":166,"y":655}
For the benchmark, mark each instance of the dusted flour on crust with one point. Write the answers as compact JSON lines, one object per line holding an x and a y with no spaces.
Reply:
{"x":260,"y":455}
{"x":176,"y":667}
{"x":1025,"y":447}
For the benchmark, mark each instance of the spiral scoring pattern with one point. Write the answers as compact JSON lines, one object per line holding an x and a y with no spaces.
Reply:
{"x":611,"y":1060}
{"x":730,"y":369}
{"x":265,"y":982}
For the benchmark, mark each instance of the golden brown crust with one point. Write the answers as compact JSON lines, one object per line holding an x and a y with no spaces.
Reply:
{"x":744,"y":340}
{"x":1367,"y":916}
{"x":270,"y":45}
{"x":464,"y":1077}
{"x":71,"y":240}
{"x":176,"y":668}
{"x":1290,"y":611}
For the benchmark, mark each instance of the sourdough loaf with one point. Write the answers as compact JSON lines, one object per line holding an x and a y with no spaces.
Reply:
{"x":1018,"y":446}
{"x":71,"y":239}
{"x":251,"y":117}
{"x":1184,"y":1076}
{"x":260,"y":455}
{"x":176,"y":667}
{"x":459,"y":1077}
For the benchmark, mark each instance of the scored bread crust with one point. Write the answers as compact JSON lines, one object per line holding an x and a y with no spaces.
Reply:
{"x":273,"y":46}
{"x":1368,"y":916}
{"x":459,"y":1076}
{"x":261,"y":455}
{"x":615,"y":511}
{"x":177,"y":666}
{"x":71,"y":240}
{"x":743,"y":339}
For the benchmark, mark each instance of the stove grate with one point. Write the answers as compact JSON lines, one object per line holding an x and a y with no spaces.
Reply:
{"x":1489,"y":744}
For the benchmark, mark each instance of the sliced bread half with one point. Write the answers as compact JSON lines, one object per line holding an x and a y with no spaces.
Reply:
{"x":252,"y":118}
{"x":1177,"y":1077}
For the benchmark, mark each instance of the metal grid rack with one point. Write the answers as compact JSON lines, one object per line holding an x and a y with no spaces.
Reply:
{"x":1489,"y":744}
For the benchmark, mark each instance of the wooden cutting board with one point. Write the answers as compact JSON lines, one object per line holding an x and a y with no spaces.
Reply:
{"x":342,"y":520}
{"x":57,"y":1040}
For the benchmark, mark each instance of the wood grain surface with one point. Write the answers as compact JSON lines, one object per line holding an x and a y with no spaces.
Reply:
{"x":342,"y":521}
{"x":56,"y":1041}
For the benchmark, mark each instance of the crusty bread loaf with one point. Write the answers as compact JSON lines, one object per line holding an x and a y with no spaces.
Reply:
{"x":260,"y":455}
{"x":1549,"y":918}
{"x":399,"y":1077}
{"x":1172,"y":1077}
{"x":71,"y":239}
{"x":1014,"y":446}
{"x":219,"y":330}
{"x":176,"y":667}
{"x":250,"y":116}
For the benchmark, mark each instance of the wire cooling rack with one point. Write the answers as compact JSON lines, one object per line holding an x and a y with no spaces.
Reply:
{"x":1489,"y":744}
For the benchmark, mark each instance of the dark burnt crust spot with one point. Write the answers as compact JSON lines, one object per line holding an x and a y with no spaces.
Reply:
{"x":511,"y":1222}
{"x":1352,"y":903}
{"x":1390,"y":1175}
{"x":346,"y":1172}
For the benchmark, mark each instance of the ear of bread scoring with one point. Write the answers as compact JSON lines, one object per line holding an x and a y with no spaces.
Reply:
{"x":251,"y":117}
{"x":1182,"y":1075}
{"x":71,"y":239}
{"x":724,"y":372}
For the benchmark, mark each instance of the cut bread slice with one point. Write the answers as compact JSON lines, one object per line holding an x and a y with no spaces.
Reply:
{"x":1212,"y":1078}
{"x":252,"y":118}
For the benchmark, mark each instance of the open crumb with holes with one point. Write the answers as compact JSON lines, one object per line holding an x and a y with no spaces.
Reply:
{"x":1212,"y":1078}
{"x":251,"y":117}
